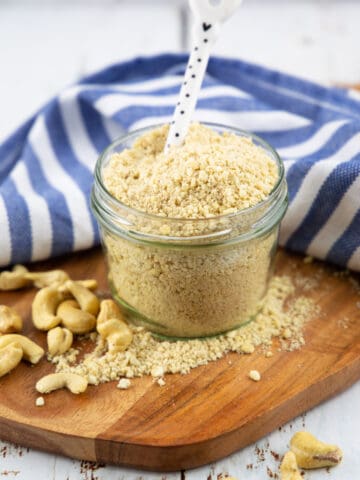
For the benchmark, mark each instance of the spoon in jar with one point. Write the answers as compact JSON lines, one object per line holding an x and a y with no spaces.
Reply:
{"x":209,"y":15}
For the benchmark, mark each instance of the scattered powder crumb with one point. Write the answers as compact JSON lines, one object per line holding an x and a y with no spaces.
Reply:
{"x":255,"y":375}
{"x":286,"y":333}
{"x":124,"y":384}
{"x":355,"y":284}
{"x":341,"y":273}
{"x":149,"y":356}
{"x":343,"y":322}
{"x":92,"y":336}
{"x":308,"y":259}
{"x":269,"y":354}
{"x":40,"y":402}
{"x":307,"y":284}
{"x":161,"y":382}
{"x":157,"y":371}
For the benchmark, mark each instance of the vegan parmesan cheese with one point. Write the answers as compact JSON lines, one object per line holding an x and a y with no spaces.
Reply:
{"x":211,"y":174}
{"x":189,"y":271}
{"x":283,"y":308}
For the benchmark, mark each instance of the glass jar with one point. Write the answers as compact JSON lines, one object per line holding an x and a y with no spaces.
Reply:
{"x":186,"y":278}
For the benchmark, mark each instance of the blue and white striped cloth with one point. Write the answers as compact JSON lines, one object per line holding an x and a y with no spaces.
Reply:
{"x":46,"y":165}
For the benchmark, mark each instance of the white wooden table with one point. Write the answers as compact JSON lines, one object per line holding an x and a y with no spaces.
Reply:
{"x":45,"y":45}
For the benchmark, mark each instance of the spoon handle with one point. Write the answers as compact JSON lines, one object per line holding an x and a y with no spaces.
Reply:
{"x":208,"y":18}
{"x":205,"y":36}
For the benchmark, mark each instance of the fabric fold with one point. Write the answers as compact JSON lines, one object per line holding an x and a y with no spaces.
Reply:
{"x":46,"y":166}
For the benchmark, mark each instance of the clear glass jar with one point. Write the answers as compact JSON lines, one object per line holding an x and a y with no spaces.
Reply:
{"x":186,"y":278}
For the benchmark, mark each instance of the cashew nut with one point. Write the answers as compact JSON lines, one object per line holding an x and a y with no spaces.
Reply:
{"x":112,"y":327}
{"x":10,"y":357}
{"x":54,"y":381}
{"x":109,"y":309}
{"x":312,"y":453}
{"x":14,"y":279}
{"x":10,"y":320}
{"x":289,"y":469}
{"x":89,"y":283}
{"x":44,"y":308}
{"x":75,"y":319}
{"x":47,"y":279}
{"x":87,"y":300}
{"x":31,"y":351}
{"x":59,"y":340}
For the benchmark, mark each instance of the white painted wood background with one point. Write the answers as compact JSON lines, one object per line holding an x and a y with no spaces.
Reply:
{"x":47,"y":44}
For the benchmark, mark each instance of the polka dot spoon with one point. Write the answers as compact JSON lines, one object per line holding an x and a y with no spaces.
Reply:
{"x":209,"y":15}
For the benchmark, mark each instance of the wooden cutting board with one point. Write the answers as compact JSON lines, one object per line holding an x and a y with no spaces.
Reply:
{"x":197,"y":418}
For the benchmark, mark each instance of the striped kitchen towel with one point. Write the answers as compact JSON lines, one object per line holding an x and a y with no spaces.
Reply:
{"x":46,"y":165}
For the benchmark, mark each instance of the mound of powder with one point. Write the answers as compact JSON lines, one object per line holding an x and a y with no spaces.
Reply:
{"x":210,"y":174}
{"x":283,"y":315}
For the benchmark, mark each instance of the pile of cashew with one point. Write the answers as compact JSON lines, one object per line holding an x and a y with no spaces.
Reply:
{"x":63,"y":308}
{"x":72,"y":305}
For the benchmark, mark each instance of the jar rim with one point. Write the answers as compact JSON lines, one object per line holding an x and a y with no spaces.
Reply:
{"x":234,"y":215}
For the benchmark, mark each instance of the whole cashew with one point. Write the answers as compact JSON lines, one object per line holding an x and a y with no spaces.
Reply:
{"x":288,"y":468}
{"x":112,"y":327}
{"x":44,"y":308}
{"x":75,"y":319}
{"x":312,"y":453}
{"x":59,"y":340}
{"x":47,"y":279}
{"x":87,"y":300}
{"x":32,"y":352}
{"x":14,"y":279}
{"x":10,"y":357}
{"x":54,"y":381}
{"x":10,"y":320}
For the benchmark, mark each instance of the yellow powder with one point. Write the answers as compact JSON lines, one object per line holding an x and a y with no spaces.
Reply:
{"x":210,"y":174}
{"x":150,"y":356}
{"x":191,"y":291}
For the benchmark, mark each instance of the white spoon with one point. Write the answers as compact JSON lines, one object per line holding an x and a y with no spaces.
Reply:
{"x":209,"y":15}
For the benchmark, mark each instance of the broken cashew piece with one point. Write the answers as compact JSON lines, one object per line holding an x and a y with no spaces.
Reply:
{"x":32,"y":352}
{"x":289,"y":469}
{"x":75,"y":319}
{"x":59,"y":340}
{"x":14,"y":279}
{"x":47,"y":279}
{"x":112,"y":327}
{"x":73,"y":382}
{"x":44,"y":308}
{"x":10,"y":357}
{"x":10,"y":320}
{"x":109,"y":309}
{"x":89,"y":283}
{"x":312,"y":453}
{"x":87,"y":300}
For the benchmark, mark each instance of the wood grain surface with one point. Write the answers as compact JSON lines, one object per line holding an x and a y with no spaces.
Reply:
{"x":197,"y":418}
